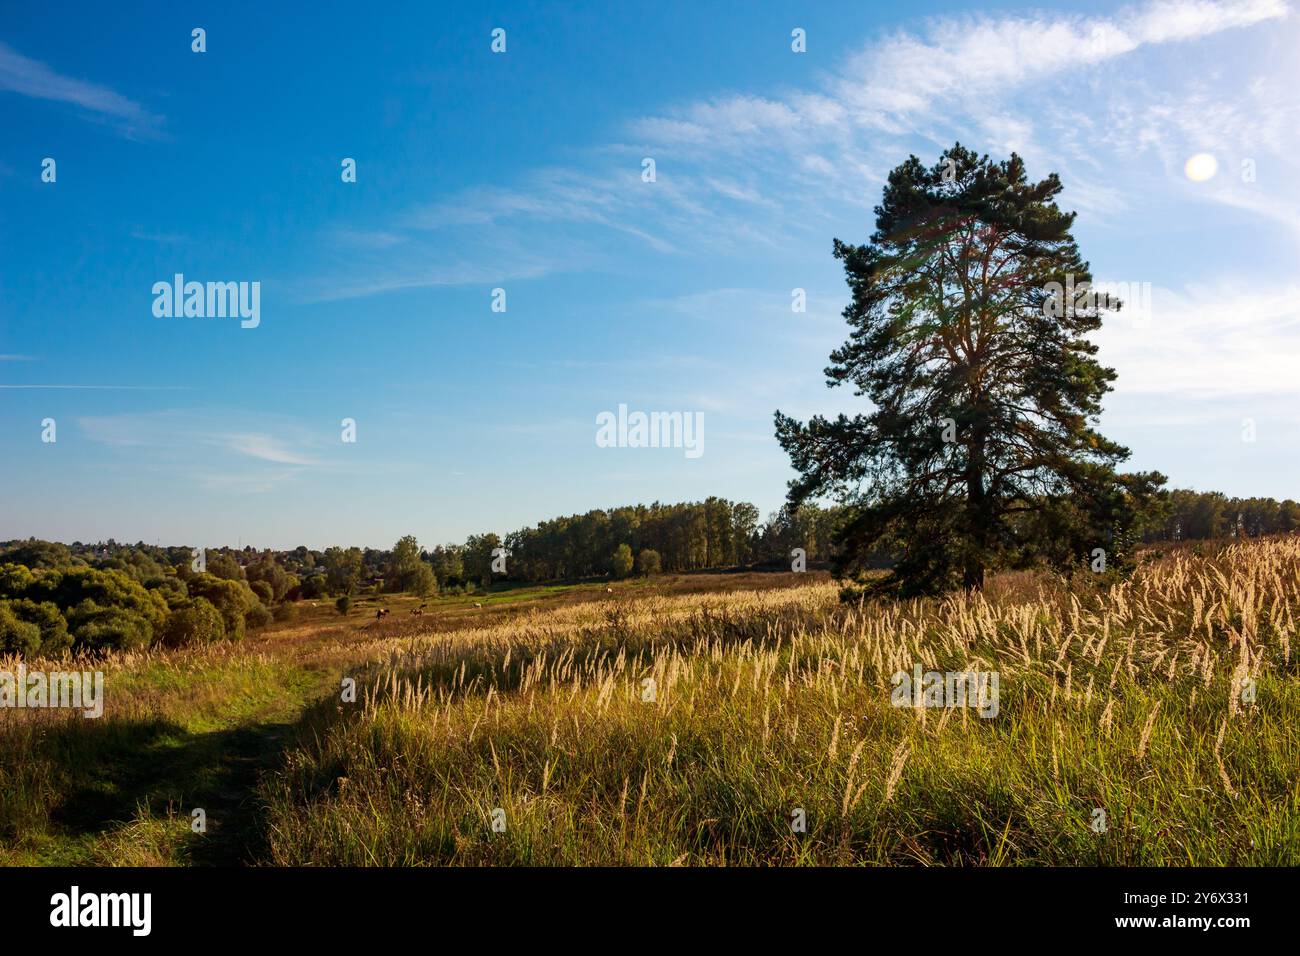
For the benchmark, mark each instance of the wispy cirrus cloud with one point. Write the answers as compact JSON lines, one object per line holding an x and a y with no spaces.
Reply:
{"x":27,"y":77}
{"x":896,"y":84}
{"x":1208,"y":340}
{"x":207,"y":439}
{"x":730,"y":169}
{"x":263,"y":447}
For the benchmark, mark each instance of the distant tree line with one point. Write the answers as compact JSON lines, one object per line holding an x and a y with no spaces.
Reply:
{"x":615,"y":542}
{"x":1202,"y":515}
{"x":89,"y":597}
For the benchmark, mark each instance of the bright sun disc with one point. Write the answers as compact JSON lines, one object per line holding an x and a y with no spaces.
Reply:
{"x":1201,"y":167}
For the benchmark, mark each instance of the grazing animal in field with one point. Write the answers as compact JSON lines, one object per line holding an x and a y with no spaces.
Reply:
{"x":476,"y":604}
{"x":609,"y":590}
{"x":416,"y":610}
{"x":380,"y":613}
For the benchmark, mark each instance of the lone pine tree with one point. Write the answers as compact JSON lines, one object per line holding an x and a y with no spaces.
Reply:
{"x":970,"y":312}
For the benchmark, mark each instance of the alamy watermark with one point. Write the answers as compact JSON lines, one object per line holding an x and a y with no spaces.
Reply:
{"x":1132,"y":298}
{"x":73,"y":690}
{"x":651,"y":430}
{"x":975,"y":689}
{"x":210,"y":300}
{"x":130,"y":910}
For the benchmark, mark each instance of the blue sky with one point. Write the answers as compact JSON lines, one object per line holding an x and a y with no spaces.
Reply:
{"x":522,"y":171}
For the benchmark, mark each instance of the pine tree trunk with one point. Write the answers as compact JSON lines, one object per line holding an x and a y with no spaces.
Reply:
{"x":979,"y":518}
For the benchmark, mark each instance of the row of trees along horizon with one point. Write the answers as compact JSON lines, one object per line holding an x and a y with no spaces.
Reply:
{"x":108,"y":595}
{"x":971,"y":317}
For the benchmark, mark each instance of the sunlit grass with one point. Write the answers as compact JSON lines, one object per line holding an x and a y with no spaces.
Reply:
{"x":1129,"y":701}
{"x":655,"y":725}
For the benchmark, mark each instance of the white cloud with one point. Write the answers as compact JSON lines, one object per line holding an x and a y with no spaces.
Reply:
{"x":263,"y":447}
{"x":894,"y":84}
{"x":27,"y":77}
{"x":200,"y":439}
{"x":1208,"y":341}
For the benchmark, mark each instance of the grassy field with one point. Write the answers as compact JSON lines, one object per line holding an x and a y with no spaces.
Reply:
{"x":693,"y":720}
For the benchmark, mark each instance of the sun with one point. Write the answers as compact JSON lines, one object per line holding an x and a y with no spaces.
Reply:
{"x":1201,"y":167}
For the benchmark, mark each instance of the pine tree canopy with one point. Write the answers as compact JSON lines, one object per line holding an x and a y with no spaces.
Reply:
{"x":970,"y":314}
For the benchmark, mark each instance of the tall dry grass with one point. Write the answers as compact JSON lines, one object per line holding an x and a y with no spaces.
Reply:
{"x":696,"y":729}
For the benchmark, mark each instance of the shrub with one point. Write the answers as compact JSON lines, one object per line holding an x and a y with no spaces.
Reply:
{"x":620,"y":562}
{"x":313,"y":587}
{"x":423,"y":581}
{"x":285,"y":612}
{"x":232,"y":598}
{"x":648,"y":562}
{"x":265,"y":593}
{"x":15,"y":579}
{"x":40,"y":554}
{"x":259,"y":615}
{"x":267,"y":571}
{"x":98,"y":628}
{"x":55,"y":638}
{"x":223,"y":565}
{"x":195,"y":622}
{"x":343,"y":604}
{"x":17,"y":636}
{"x":170,"y":587}
{"x":71,"y":588}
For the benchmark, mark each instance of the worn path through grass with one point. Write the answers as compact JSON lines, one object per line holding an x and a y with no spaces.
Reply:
{"x":199,"y":729}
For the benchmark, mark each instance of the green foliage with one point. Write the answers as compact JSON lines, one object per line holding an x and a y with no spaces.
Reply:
{"x":343,"y":604}
{"x":36,"y":554}
{"x":648,"y":562}
{"x":222,"y":564}
{"x":55,"y":638}
{"x":620,"y":562}
{"x":687,"y":536}
{"x":171,"y":587}
{"x":342,"y":569}
{"x":1191,"y":515}
{"x":259,"y":615}
{"x":100,"y":609}
{"x":104,"y":610}
{"x":448,"y":564}
{"x":264,"y":592}
{"x":195,"y":622}
{"x":268,"y":572}
{"x":314,"y":586}
{"x":233,"y":599}
{"x":478,"y":557}
{"x":425,"y":582}
{"x":15,"y":579}
{"x":288,"y":611}
{"x":113,"y":628}
{"x":17,"y":636}
{"x":407,"y":570}
{"x":970,"y":318}
{"x":134,"y":562}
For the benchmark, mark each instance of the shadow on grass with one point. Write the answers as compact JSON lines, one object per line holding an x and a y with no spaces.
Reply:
{"x":127,"y":770}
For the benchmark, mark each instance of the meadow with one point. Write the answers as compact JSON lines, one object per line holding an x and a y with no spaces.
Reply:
{"x":700,"y":720}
